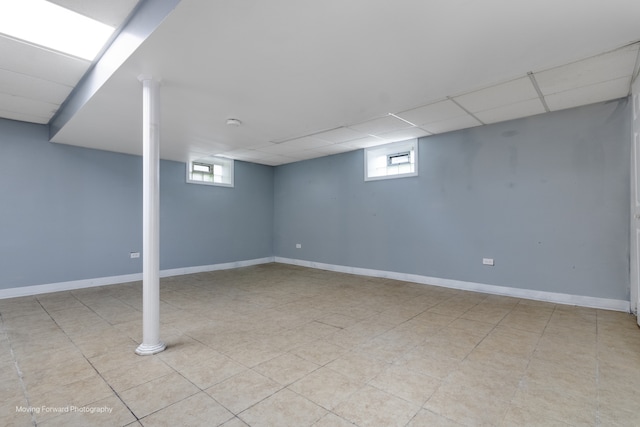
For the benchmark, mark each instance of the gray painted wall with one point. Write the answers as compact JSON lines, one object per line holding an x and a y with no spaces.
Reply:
{"x":70,"y":213}
{"x":546,"y":196}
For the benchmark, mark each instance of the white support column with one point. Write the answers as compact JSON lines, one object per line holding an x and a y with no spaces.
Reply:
{"x":151,"y":343}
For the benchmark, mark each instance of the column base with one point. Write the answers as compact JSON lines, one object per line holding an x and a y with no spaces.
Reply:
{"x":147,"y":350}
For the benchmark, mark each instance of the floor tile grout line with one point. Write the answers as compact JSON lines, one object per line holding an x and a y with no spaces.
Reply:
{"x":87,"y":359}
{"x":379,"y":293}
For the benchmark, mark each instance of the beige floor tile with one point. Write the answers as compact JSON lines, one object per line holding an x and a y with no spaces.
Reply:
{"x":436,"y":366}
{"x":526,"y":321}
{"x":402,"y":339}
{"x":197,"y":410}
{"x":235,"y":422}
{"x":406,"y":384}
{"x":483,"y":380}
{"x":284,"y":408}
{"x":338,"y":320}
{"x":15,"y":419}
{"x":435,"y":319}
{"x":15,"y":410}
{"x":243,"y":390}
{"x":286,"y":369}
{"x":141,"y":371}
{"x":618,"y":395}
{"x":157,"y":394}
{"x":79,"y":393}
{"x":326,"y":387}
{"x":608,"y":416}
{"x":561,"y":376}
{"x":319,"y":352}
{"x":558,"y":404}
{"x":106,"y":412}
{"x":358,"y":366}
{"x":452,"y":307}
{"x":253,"y":353}
{"x":521,"y":417}
{"x":485,"y":315}
{"x":427,"y":418}
{"x":332,"y":420}
{"x":482,"y":328}
{"x":373,"y":407}
{"x":386,"y":349}
{"x":468,"y":408}
{"x":95,"y":346}
{"x":212,"y":371}
{"x":121,"y":356}
{"x":317,"y":329}
{"x":183,"y":351}
{"x":451,"y":342}
{"x":41,"y":381}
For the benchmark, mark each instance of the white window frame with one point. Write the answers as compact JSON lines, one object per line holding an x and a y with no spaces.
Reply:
{"x":223,"y":163}
{"x":379,"y":163}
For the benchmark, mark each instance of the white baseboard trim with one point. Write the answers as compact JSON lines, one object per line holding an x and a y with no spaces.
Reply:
{"x":214,"y":267}
{"x":114,"y":280}
{"x":554,"y":297}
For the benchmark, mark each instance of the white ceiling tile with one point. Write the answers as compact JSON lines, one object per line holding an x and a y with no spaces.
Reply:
{"x":381,"y":125}
{"x":34,"y":61}
{"x":499,"y":95}
{"x":604,"y":91}
{"x":512,"y":111}
{"x":456,"y":123}
{"x":274,"y":160}
{"x":34,"y":88}
{"x":431,"y":113}
{"x":609,"y":66}
{"x":275,"y":149}
{"x":27,"y":106}
{"x":304,"y":155}
{"x":248,"y":155}
{"x":24,"y":117}
{"x":370,"y":141}
{"x":341,"y":134}
{"x":332,"y":149}
{"x":402,"y":134}
{"x":303,"y":143}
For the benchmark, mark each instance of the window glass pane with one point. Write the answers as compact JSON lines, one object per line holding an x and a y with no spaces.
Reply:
{"x":197,"y":167}
{"x":211,"y":170}
{"x":393,"y":160}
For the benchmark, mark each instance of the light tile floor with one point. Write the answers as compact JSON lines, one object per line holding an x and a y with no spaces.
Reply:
{"x":279,"y":345}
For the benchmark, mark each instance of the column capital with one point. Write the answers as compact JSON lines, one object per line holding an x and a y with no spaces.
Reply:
{"x":147,"y":77}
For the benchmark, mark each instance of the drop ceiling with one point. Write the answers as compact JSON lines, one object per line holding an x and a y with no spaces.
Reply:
{"x":34,"y":81}
{"x":309,"y":79}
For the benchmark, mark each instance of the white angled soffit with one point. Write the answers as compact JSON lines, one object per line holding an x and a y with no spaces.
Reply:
{"x":145,"y":19}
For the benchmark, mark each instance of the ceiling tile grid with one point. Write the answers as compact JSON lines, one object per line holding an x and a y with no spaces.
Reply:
{"x":35,"y":81}
{"x":500,"y":95}
{"x":380,"y":125}
{"x":454,"y":123}
{"x":438,"y":111}
{"x":335,"y":100}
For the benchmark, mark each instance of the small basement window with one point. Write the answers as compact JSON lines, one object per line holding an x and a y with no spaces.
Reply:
{"x":211,"y":171}
{"x":395,"y":160}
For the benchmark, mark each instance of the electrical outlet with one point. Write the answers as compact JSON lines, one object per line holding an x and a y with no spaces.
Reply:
{"x":298,"y":246}
{"x":487,"y":261}
{"x":134,"y":254}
